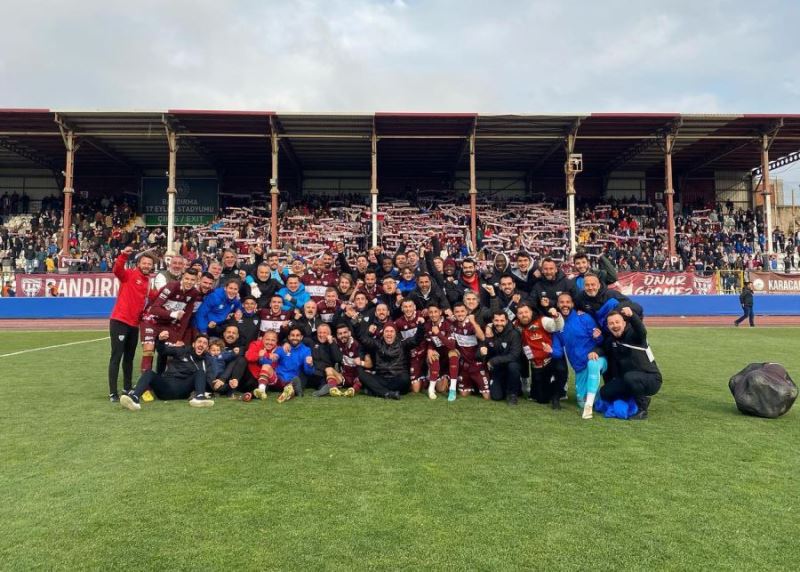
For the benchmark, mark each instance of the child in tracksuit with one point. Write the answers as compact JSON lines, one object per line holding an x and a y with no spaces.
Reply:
{"x":220,"y":357}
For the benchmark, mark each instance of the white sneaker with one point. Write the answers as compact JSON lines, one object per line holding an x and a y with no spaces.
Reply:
{"x":128,"y":403}
{"x":432,"y":394}
{"x":260,"y":394}
{"x":587,"y":411}
{"x":201,"y":402}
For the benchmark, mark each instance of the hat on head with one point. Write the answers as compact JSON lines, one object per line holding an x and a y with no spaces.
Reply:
{"x":390,"y":324}
{"x":450,"y":263}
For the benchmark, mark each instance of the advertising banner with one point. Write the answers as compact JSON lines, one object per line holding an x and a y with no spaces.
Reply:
{"x":660,"y":283}
{"x":67,"y":285}
{"x":196,"y":203}
{"x":774,"y":283}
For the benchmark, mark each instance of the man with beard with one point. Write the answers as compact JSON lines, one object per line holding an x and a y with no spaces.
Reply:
{"x":471,"y":281}
{"x":506,"y":298}
{"x":351,"y":361}
{"x":294,"y":360}
{"x":308,"y":321}
{"x":633,"y":367}
{"x":275,"y":268}
{"x":275,"y":318}
{"x":551,"y":283}
{"x":228,"y":381}
{"x":186,"y":373}
{"x":126,"y":316}
{"x":231,"y":267}
{"x":325,"y":356}
{"x":390,"y":379}
{"x":525,"y":273}
{"x":503,"y":349}
{"x":426,"y":294}
{"x":407,"y":325}
{"x":606,"y":272}
{"x":577,"y":341}
{"x":173,"y":273}
{"x":171,"y":311}
{"x":371,"y":289}
{"x":318,"y":279}
{"x":362,"y":263}
{"x":447,"y":281}
{"x":263,"y":285}
{"x":537,"y":346}
{"x":599,"y":301}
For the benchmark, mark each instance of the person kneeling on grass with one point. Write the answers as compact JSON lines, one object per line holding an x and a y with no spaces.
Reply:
{"x":188,"y":371}
{"x":262,"y":362}
{"x":294,"y":358}
{"x":635,"y":373}
{"x":577,"y":340}
{"x":391,"y":376}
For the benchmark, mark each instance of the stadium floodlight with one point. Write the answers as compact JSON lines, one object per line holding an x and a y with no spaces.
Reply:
{"x":575,"y":163}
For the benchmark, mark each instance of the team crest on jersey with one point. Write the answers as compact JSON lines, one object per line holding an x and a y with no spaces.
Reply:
{"x":121,"y":338}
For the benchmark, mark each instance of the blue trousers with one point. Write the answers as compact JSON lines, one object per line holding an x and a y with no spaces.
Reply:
{"x":588,"y":380}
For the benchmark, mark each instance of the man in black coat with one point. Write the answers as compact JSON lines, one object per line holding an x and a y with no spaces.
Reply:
{"x":188,"y":371}
{"x":746,"y":300}
{"x":391,"y":374}
{"x":633,"y":368}
{"x":502,"y":349}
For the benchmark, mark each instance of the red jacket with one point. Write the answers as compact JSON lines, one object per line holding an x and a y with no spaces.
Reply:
{"x":134,"y":287}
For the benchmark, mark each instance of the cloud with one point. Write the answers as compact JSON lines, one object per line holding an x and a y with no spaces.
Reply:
{"x":357,"y":55}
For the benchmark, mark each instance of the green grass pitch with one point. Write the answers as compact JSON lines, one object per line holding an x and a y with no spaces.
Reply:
{"x":367,"y":484}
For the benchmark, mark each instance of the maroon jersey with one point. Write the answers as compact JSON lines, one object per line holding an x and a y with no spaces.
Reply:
{"x":444,"y":339}
{"x":373,"y":294}
{"x":350,"y":353}
{"x":171,"y":299}
{"x":328,"y":313}
{"x":316,"y":284}
{"x":466,"y":341}
{"x":407,"y":328}
{"x":274,"y":322}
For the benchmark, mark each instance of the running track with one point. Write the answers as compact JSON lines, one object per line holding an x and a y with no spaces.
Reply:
{"x":655,"y":321}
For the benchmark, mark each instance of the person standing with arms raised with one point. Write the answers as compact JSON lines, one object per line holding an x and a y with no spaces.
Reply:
{"x":134,"y":288}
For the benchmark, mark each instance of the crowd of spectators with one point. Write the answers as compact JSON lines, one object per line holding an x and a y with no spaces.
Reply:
{"x":632,"y":234}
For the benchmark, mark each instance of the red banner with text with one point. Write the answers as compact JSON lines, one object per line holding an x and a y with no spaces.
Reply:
{"x":68,"y":285}
{"x":774,"y":283}
{"x":664,"y":283}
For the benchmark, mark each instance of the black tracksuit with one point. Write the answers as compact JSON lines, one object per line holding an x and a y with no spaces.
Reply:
{"x":185,"y":373}
{"x":633,"y":372}
{"x":504,"y":353}
{"x":391,"y":362}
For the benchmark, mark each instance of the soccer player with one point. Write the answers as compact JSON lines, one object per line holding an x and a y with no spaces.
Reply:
{"x":274,"y":317}
{"x":467,"y":334}
{"x":171,"y":311}
{"x":126,"y":316}
{"x":606,"y":271}
{"x":189,"y":371}
{"x":351,"y":361}
{"x":318,"y":279}
{"x":441,"y":348}
{"x":407,"y":325}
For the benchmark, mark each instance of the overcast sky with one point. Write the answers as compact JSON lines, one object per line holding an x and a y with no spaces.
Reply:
{"x":402,"y":55}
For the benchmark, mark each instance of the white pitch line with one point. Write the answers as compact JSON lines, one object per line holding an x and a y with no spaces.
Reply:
{"x":52,"y":347}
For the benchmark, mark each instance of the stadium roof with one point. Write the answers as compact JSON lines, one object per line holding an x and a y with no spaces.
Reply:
{"x":239,"y":142}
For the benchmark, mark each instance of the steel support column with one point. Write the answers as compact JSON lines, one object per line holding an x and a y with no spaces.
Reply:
{"x":373,"y":189}
{"x":172,"y":190}
{"x":669,"y":192}
{"x":766,"y":192}
{"x":473,"y":196}
{"x":570,"y":173}
{"x":274,"y":192}
{"x":69,"y":142}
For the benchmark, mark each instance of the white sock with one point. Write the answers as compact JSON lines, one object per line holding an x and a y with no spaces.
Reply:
{"x":453,"y":384}
{"x":262,"y":386}
{"x":431,"y":387}
{"x":590,"y":400}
